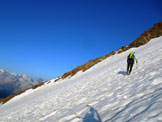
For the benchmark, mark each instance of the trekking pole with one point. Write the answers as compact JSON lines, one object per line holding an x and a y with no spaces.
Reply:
{"x":136,"y":65}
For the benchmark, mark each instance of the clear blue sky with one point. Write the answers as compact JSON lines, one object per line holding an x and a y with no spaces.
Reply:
{"x":46,"y":38}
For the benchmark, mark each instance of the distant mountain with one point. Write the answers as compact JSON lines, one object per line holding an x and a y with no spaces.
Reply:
{"x":11,"y":83}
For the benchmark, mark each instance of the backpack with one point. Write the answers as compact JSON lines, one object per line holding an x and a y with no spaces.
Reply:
{"x":131,"y":55}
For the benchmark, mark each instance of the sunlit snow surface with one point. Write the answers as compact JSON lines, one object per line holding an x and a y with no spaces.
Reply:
{"x":103,"y":93}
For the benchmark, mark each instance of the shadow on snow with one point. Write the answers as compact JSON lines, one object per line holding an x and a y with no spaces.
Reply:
{"x":92,"y":116}
{"x":122,"y":73}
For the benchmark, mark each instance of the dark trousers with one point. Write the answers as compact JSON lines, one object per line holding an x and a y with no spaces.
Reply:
{"x":130,"y":63}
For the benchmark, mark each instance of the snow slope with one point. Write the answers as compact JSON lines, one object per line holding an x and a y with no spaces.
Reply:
{"x":103,"y":93}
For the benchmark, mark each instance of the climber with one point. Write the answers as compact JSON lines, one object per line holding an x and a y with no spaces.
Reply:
{"x":130,"y":61}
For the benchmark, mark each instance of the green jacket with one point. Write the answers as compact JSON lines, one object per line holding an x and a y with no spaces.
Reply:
{"x":131,"y":55}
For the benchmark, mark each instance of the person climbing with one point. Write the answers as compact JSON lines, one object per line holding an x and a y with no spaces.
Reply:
{"x":130,"y":61}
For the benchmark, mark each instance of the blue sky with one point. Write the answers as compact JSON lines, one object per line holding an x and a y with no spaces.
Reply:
{"x":46,"y":38}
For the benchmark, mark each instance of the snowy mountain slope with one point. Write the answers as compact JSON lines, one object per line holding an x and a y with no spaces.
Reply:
{"x":103,"y":93}
{"x":12,"y":83}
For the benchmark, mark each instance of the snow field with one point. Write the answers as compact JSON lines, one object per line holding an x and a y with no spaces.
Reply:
{"x":104,"y":93}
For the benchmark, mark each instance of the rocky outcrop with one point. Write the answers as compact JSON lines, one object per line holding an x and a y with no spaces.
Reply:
{"x":153,"y":32}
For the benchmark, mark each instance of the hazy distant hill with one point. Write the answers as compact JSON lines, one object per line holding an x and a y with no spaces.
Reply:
{"x":11,"y":83}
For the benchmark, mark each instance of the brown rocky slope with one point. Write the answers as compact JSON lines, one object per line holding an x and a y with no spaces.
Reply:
{"x":154,"y":32}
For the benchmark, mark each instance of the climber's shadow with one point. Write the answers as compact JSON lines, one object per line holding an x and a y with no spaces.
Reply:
{"x":92,"y":116}
{"x":122,"y":73}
